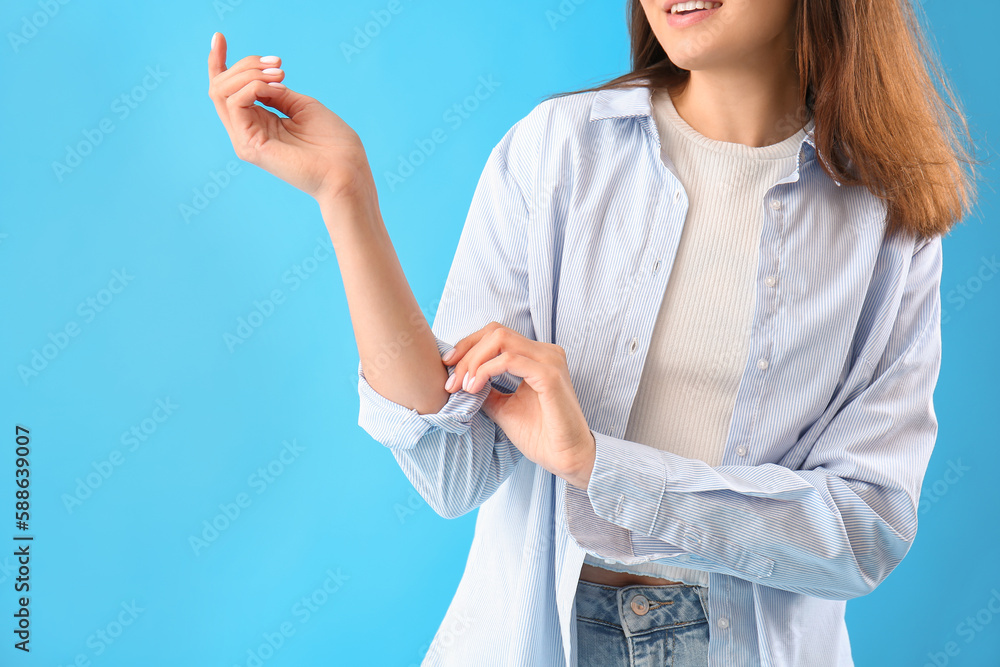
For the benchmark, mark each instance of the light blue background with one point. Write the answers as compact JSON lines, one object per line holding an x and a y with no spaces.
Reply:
{"x":342,"y":503}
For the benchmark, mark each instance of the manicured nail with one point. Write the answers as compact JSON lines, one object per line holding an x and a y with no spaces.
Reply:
{"x":450,"y":383}
{"x":270,"y":60}
{"x":272,"y":70}
{"x":276,"y":84}
{"x":215,"y":36}
{"x":465,"y":382}
{"x":449,"y":355}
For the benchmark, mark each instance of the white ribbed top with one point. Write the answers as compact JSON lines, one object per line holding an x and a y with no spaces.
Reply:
{"x":698,"y":349}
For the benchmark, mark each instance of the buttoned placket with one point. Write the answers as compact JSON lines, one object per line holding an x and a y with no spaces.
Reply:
{"x":666,"y":224}
{"x":649,"y":285}
{"x":764,"y":323}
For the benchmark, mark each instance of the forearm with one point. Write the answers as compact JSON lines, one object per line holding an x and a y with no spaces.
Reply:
{"x":398,"y":353}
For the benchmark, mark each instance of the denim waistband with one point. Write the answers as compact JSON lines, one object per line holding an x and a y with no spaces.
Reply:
{"x":641,"y":609}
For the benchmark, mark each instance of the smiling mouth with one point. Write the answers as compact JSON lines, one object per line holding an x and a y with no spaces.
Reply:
{"x":683,"y":8}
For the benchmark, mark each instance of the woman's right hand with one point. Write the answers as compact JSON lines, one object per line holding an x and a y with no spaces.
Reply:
{"x":312,"y":149}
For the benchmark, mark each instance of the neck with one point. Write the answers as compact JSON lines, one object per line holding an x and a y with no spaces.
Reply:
{"x":755,"y":104}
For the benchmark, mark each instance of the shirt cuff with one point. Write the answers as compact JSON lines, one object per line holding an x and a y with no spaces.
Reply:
{"x":627,"y":482}
{"x":399,"y":427}
{"x":628,"y":487}
{"x":591,"y":519}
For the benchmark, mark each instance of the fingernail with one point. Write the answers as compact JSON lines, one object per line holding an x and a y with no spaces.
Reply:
{"x":276,"y":84}
{"x":450,"y":383}
{"x":270,"y":60}
{"x":272,"y":70}
{"x":215,"y":36}
{"x":465,"y":382}
{"x":449,"y":355}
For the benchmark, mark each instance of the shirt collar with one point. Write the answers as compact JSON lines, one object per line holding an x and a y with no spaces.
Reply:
{"x":635,"y":101}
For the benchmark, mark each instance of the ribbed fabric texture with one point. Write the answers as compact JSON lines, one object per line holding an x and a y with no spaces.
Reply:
{"x":698,"y":348}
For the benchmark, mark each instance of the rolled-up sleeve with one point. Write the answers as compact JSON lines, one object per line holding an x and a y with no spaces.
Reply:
{"x":836,"y":527}
{"x":399,"y":427}
{"x":457,"y":457}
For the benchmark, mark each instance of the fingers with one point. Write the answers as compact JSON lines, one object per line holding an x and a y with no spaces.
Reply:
{"x":475,"y":352}
{"x":217,"y":56}
{"x":244,"y":114}
{"x":224,"y":82}
{"x":278,"y":96}
{"x":244,"y":130}
{"x":531,"y":370}
{"x":464,"y":345}
{"x":228,"y":83}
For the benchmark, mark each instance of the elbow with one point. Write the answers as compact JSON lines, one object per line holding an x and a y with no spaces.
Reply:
{"x":450,"y":511}
{"x":874,"y":564}
{"x":861,"y":567}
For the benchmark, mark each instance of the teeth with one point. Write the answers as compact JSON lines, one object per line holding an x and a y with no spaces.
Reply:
{"x":693,"y":4}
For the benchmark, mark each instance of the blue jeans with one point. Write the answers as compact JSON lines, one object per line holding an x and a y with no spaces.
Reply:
{"x":641,"y":626}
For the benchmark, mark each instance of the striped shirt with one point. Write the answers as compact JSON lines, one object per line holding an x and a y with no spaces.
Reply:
{"x":570,"y":238}
{"x":687,"y":390}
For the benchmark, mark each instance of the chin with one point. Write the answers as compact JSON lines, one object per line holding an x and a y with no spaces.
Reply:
{"x":684,"y":62}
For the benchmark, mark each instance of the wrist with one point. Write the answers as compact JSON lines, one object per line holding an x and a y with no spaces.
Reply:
{"x":579,"y":476}
{"x":346,"y":213}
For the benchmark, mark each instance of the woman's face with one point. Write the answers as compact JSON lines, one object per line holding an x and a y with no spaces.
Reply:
{"x":738,"y":33}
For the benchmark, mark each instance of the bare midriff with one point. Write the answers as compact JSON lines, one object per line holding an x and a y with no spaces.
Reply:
{"x":600,"y":575}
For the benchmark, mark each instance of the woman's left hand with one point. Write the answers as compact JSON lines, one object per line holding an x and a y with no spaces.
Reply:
{"x":542,"y":417}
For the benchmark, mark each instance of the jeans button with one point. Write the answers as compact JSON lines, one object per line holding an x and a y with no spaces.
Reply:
{"x":640,"y":605}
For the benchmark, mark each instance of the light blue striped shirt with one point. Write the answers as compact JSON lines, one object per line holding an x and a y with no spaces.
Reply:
{"x":570,"y":239}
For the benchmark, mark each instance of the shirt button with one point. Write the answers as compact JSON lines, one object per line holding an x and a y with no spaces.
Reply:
{"x":677,"y":195}
{"x":770,"y":281}
{"x":762,"y":364}
{"x":640,"y":605}
{"x":723,"y":622}
{"x":741,"y":450}
{"x":633,"y":345}
{"x":775,"y":204}
{"x":656,"y":266}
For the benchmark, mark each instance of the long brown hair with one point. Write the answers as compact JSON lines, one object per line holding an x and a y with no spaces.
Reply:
{"x":867,"y":77}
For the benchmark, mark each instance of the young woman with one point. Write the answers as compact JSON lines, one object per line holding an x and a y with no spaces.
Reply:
{"x":709,"y":292}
